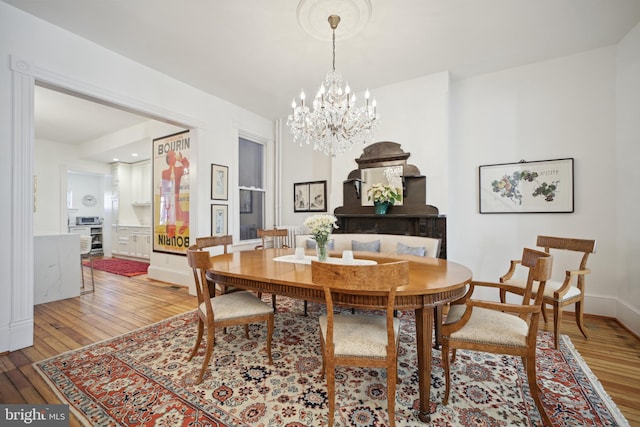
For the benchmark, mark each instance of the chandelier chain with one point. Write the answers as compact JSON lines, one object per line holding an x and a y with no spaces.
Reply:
{"x":334,"y":49}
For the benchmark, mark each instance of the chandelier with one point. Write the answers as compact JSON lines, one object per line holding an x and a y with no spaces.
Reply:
{"x":334,"y":123}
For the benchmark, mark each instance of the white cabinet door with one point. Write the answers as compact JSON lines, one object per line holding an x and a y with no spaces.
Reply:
{"x":141,"y":182}
{"x":124,"y":234}
{"x":146,"y":244}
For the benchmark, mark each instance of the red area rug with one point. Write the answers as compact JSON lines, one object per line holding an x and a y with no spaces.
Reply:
{"x":143,"y":378}
{"x":123,"y":267}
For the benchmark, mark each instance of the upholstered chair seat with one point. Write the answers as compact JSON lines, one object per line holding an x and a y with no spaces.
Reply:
{"x":235,"y":305}
{"x":489,"y":327}
{"x":360,"y":335}
{"x":550,"y":289}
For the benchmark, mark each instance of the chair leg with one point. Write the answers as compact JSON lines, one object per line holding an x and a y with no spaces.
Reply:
{"x":331,"y":391}
{"x":324,"y":373}
{"x":437,"y":326}
{"x":392,"y":376}
{"x":93,"y":285}
{"x":447,"y":374}
{"x":246,"y":331}
{"x":305,"y":308}
{"x":544,"y":313}
{"x":198,"y":340}
{"x":273,"y":302}
{"x":557,"y":318}
{"x":530,"y":366}
{"x":580,"y":318}
{"x":269,"y":335}
{"x":82,"y":271}
{"x":207,"y":357}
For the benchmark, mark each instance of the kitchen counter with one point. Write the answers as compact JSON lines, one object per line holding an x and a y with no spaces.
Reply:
{"x":57,"y":272}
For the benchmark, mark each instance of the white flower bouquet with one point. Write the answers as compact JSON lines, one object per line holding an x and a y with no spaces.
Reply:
{"x":321,"y":226}
{"x":381,"y":193}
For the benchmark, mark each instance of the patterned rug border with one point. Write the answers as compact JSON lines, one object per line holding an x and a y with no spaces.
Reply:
{"x":63,"y":399}
{"x":571,"y":354}
{"x":598,"y":387}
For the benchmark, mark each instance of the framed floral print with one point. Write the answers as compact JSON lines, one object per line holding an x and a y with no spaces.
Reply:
{"x":543,"y":186}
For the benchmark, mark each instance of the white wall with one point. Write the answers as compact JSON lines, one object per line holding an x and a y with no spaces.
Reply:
{"x":554,"y":109}
{"x":35,"y":48}
{"x":627,"y":143}
{"x":51,"y":162}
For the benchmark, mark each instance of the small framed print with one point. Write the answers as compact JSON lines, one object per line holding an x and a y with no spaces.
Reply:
{"x":310,"y":196}
{"x":544,"y":186}
{"x":219,"y":219}
{"x":219,"y":182}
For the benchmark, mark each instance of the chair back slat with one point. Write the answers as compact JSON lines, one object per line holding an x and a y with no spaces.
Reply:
{"x":212,"y":241}
{"x":277,"y":236}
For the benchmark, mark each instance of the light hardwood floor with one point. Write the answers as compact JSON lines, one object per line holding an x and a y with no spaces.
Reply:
{"x":122,"y":304}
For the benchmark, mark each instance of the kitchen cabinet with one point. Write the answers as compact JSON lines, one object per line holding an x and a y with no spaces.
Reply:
{"x":132,"y":241}
{"x":141,"y":183}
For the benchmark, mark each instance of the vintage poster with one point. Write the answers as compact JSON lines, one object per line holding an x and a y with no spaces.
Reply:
{"x":171,"y":186}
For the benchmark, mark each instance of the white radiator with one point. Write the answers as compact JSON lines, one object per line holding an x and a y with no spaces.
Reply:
{"x":293,"y":231}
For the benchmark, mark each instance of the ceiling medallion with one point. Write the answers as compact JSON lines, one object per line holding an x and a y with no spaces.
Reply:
{"x":354,"y":15}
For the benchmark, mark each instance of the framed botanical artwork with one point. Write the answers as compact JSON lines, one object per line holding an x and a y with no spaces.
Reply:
{"x":219,"y":220}
{"x":310,"y":196}
{"x":246,"y":202}
{"x":544,"y":186}
{"x":318,"y":196}
{"x":219,"y":182}
{"x":171,"y":187}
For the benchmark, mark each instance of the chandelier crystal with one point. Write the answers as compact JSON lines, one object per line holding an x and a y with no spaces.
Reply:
{"x":334,"y":122}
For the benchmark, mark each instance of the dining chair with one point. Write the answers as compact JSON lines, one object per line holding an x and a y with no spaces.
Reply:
{"x":365,"y":340}
{"x":278,"y":238}
{"x":233,"y":309}
{"x":211,"y":242}
{"x":497,"y":327}
{"x":559,"y":294}
{"x":85,"y":252}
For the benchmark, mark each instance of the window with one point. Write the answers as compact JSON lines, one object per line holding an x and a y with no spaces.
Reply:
{"x":251,"y":182}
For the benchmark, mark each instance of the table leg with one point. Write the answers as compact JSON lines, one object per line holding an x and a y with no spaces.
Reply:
{"x":424,"y":320}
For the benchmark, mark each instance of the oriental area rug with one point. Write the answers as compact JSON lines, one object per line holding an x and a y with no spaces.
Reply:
{"x":143,"y":378}
{"x":122,"y":267}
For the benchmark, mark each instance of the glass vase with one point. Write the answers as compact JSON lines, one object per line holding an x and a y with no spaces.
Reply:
{"x":381,"y":207}
{"x":321,"y":251}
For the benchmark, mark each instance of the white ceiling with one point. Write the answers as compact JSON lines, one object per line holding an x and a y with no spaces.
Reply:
{"x":256,"y":55}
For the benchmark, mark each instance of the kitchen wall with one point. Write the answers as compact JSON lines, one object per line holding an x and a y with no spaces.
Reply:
{"x":52,"y":161}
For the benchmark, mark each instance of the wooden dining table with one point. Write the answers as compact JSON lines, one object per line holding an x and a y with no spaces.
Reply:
{"x":432,"y":283}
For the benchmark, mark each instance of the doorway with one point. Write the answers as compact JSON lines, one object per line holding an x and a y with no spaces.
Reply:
{"x":21,"y":246}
